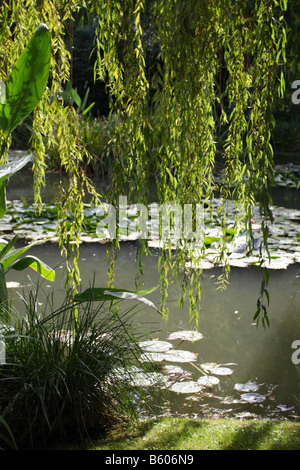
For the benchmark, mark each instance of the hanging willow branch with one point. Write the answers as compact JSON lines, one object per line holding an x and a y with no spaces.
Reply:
{"x":196,"y":42}
{"x":177,"y":73}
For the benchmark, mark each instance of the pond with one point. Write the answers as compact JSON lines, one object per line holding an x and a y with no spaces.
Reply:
{"x":254,"y":374}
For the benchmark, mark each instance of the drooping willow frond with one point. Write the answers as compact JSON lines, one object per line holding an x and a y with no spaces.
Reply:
{"x":178,"y":74}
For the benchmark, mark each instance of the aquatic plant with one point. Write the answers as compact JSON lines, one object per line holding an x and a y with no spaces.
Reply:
{"x":67,"y":379}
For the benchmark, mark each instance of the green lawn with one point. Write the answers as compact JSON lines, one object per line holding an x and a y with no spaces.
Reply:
{"x":203,"y":434}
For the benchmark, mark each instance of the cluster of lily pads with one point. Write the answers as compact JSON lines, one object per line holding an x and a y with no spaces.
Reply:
{"x":284,"y":234}
{"x":287,"y":175}
{"x":174,"y":378}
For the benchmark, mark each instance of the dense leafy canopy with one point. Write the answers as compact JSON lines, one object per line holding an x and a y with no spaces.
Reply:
{"x":192,"y":86}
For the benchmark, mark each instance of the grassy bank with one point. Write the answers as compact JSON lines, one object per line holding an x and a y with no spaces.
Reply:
{"x":204,"y":434}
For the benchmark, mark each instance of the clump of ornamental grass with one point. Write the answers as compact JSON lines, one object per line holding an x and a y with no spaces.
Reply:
{"x":67,"y":375}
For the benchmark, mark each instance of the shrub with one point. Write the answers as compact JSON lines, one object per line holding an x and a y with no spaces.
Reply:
{"x":67,"y":376}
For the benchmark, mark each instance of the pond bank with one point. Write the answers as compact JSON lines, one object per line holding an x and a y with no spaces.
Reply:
{"x":201,"y":434}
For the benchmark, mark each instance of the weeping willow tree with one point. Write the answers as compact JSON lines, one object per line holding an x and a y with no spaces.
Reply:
{"x":178,"y":74}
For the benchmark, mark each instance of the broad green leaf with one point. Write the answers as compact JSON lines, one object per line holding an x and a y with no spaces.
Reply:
{"x":6,"y":248}
{"x":27,"y":81}
{"x":105,"y":293}
{"x":93,"y":293}
{"x":36,"y":264}
{"x":11,"y":255}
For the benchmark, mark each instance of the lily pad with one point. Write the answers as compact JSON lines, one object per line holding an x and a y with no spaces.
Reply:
{"x":208,"y":366}
{"x":285,"y":407}
{"x":186,"y":387}
{"x":247,"y":387}
{"x":176,"y":371}
{"x":152,"y":357}
{"x":221,"y":371}
{"x":208,"y":381}
{"x":155,"y":346}
{"x":186,"y":335}
{"x":148,"y":379}
{"x":253,"y":397}
{"x":180,"y":356}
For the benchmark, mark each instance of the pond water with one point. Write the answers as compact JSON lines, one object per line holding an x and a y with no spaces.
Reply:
{"x":260,"y":358}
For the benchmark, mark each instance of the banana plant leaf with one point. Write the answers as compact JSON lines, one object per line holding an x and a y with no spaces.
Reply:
{"x":105,"y":293}
{"x":36,"y":264}
{"x":6,"y":247}
{"x":27,"y":81}
{"x":9,"y":259}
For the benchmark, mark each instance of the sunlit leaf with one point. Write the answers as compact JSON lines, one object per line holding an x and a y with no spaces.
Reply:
{"x":186,"y":387}
{"x":152,"y":357}
{"x":36,"y":264}
{"x":186,"y":335}
{"x":253,"y":397}
{"x":170,"y":356}
{"x":208,"y":366}
{"x":221,"y":371}
{"x":208,"y":381}
{"x":180,"y":356}
{"x":105,"y":293}
{"x":27,"y":81}
{"x":247,"y":387}
{"x":155,"y":346}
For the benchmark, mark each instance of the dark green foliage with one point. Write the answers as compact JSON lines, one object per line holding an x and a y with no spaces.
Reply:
{"x":65,"y":378}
